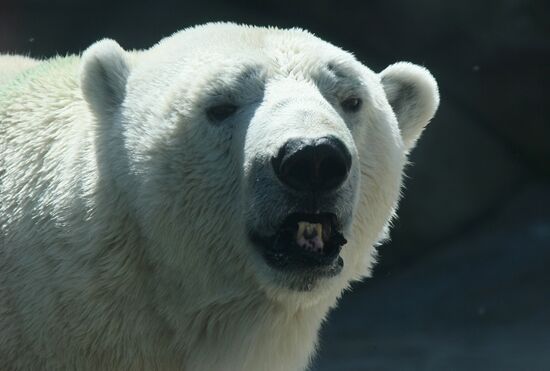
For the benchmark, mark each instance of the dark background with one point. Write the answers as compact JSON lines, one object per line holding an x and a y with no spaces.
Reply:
{"x":465,"y":282}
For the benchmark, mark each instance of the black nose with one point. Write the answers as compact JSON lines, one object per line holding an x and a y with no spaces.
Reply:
{"x":314,"y":165}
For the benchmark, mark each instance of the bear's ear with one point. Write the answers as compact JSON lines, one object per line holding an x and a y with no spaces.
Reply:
{"x":103,"y":75}
{"x":414,"y":97}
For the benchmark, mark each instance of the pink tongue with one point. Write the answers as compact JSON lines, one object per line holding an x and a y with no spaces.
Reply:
{"x":312,"y":244}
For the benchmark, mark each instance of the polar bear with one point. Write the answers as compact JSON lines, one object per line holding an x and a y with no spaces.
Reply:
{"x":200,"y":205}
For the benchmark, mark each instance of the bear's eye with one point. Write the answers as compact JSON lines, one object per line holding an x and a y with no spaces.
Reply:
{"x":351,"y":104}
{"x":221,"y":111}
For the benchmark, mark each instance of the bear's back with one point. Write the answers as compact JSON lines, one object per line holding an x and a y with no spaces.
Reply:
{"x":43,"y":129}
{"x":12,"y":65}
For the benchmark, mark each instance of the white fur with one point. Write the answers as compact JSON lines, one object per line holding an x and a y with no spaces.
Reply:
{"x":12,"y":65}
{"x":413,"y":94}
{"x":123,"y":209}
{"x":105,"y":69}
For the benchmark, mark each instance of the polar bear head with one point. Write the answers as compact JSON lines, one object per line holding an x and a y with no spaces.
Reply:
{"x":258,"y":159}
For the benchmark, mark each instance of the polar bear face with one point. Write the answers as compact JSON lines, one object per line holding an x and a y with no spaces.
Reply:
{"x":256,"y":158}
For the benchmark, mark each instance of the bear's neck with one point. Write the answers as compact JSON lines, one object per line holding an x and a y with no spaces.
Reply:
{"x":245,"y":331}
{"x":251,"y":333}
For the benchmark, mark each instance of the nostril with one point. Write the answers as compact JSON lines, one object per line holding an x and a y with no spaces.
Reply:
{"x":332,"y":170}
{"x":315,"y":165}
{"x":298,"y":169}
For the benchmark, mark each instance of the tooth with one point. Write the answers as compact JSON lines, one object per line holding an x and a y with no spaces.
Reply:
{"x":310,"y":236}
{"x":309,"y":230}
{"x":319,"y":229}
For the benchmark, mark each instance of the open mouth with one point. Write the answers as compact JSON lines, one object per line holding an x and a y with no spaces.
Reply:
{"x":305,"y":242}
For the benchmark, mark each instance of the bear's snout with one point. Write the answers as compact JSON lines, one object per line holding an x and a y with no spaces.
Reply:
{"x":313,"y":164}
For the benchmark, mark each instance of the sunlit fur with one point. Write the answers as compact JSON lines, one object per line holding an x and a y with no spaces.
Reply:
{"x":123,"y":208}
